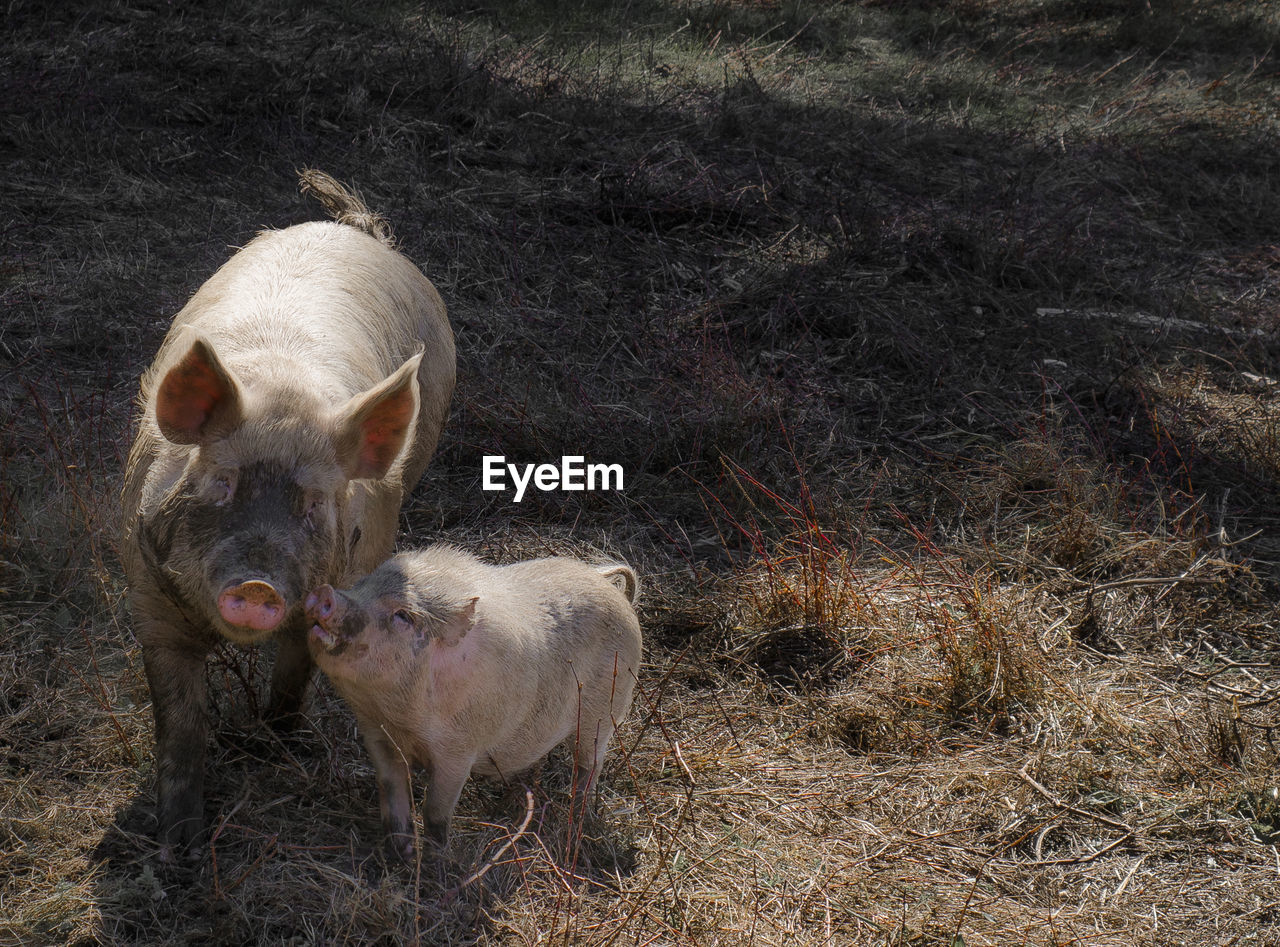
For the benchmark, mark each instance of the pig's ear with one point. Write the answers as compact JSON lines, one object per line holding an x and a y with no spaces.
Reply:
{"x":372,"y":427}
{"x":454,"y":628}
{"x":198,"y":400}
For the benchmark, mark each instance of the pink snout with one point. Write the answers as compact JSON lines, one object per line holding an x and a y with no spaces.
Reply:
{"x":255,"y":605}
{"x":324,"y":606}
{"x":325,"y":609}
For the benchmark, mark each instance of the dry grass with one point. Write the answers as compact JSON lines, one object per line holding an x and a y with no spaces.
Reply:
{"x":937,"y":341}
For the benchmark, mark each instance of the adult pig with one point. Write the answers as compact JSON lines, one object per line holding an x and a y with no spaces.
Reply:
{"x":293,"y":402}
{"x":464,"y":667}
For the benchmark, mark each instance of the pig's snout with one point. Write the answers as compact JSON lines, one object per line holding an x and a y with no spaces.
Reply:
{"x":324,"y":606}
{"x":325,"y":609}
{"x":255,"y":605}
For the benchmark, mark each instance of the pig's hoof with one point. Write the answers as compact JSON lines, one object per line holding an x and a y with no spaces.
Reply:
{"x":181,"y":838}
{"x":438,"y":832}
{"x":180,"y":859}
{"x":401,"y":848}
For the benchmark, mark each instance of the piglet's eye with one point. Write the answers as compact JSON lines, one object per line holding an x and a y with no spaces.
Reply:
{"x":222,"y":488}
{"x":402,"y":621}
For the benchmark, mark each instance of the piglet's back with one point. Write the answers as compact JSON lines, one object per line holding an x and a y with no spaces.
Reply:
{"x":578,"y":605}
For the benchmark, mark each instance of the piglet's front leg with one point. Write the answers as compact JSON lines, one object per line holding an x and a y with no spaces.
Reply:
{"x":449,"y":772}
{"x":394,"y":793}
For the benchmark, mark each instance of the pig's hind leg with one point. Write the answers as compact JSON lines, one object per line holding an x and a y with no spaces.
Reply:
{"x":589,"y":747}
{"x":597,"y":720}
{"x":600,"y":706}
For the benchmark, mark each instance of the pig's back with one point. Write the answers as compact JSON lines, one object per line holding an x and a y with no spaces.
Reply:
{"x":576,"y":645}
{"x":323,"y":294}
{"x":578,"y":611}
{"x":330,"y":307}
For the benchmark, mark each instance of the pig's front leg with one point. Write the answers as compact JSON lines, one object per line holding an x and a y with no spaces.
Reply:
{"x":449,"y":772}
{"x":176,"y":678}
{"x":394,"y":796}
{"x":289,"y":679}
{"x":589,"y":753}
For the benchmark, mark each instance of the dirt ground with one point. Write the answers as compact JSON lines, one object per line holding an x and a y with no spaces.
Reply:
{"x":937,"y":342}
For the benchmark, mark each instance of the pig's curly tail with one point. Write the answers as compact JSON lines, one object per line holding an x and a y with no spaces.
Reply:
{"x":344,"y":205}
{"x":631,"y":585}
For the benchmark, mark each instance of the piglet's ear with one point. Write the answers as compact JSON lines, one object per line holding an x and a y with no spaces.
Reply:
{"x":454,"y":628}
{"x":373,"y":427}
{"x":198,"y":400}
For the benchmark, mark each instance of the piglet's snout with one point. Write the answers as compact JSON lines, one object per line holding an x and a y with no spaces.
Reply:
{"x":325,"y":609}
{"x":324,"y":605}
{"x":255,"y":604}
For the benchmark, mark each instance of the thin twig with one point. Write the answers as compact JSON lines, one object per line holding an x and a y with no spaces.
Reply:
{"x":1154,"y":580}
{"x":1085,"y":859}
{"x":1030,"y":781}
{"x":1127,"y":878}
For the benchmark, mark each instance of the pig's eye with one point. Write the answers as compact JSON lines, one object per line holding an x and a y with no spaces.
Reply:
{"x":222,"y":488}
{"x":402,"y":621}
{"x":313,"y":503}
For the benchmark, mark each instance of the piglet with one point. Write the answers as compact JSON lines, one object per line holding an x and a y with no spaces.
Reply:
{"x":463,"y":667}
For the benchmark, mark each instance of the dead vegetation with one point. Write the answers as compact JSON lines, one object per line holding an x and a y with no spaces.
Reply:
{"x":937,"y":342}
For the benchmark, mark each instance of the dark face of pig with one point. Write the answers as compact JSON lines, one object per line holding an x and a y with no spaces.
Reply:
{"x":244,"y":544}
{"x":259,"y":515}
